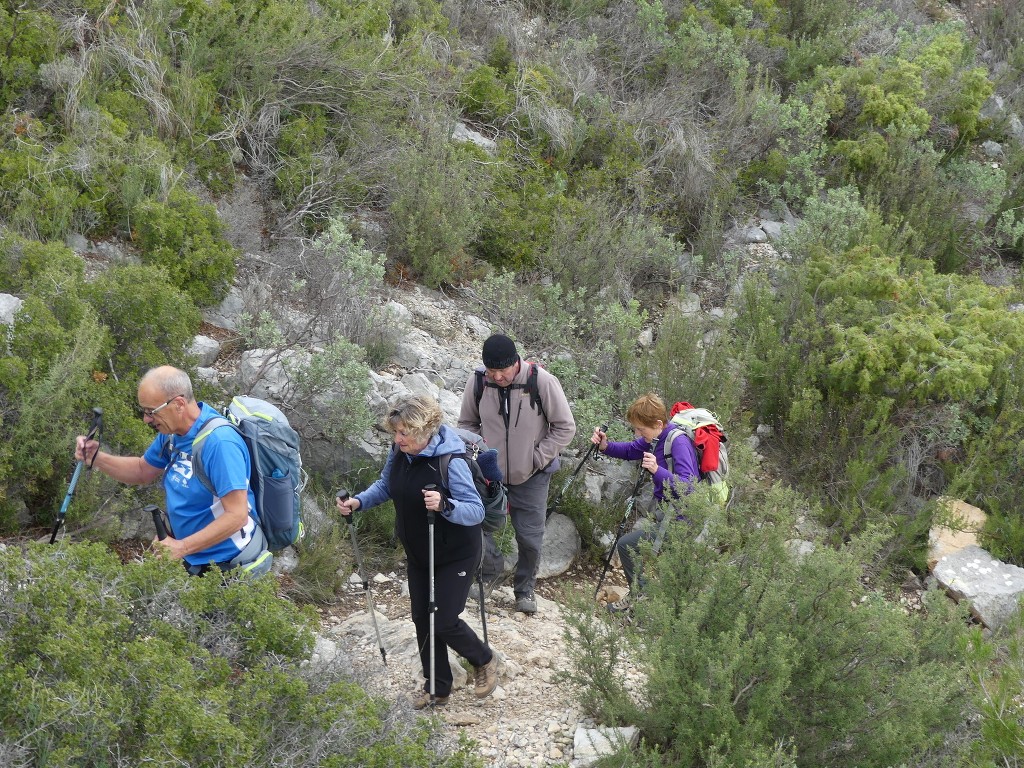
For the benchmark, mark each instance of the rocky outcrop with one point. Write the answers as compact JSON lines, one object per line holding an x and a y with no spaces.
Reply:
{"x":993,"y":589}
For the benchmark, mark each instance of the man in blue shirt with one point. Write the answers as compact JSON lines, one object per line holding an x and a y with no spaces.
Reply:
{"x":207,"y":529}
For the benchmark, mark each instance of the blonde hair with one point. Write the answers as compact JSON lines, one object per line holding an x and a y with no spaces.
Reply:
{"x":421,"y":416}
{"x":647,"y":410}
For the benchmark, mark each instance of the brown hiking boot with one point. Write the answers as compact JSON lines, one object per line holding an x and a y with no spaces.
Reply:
{"x":486,"y":678}
{"x":420,"y":699}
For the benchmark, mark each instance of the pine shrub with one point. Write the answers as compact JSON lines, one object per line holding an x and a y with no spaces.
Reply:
{"x":124,"y":664}
{"x":746,"y":645}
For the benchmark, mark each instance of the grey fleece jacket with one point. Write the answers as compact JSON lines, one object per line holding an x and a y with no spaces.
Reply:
{"x":530,"y":442}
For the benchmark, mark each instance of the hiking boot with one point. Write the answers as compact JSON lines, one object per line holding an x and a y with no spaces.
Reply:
{"x":526,"y":603}
{"x":491,"y":583}
{"x":485,"y":678}
{"x":421,"y":699}
{"x":625,"y":605}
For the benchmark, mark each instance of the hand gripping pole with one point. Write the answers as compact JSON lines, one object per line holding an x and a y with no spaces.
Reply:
{"x":94,"y":429}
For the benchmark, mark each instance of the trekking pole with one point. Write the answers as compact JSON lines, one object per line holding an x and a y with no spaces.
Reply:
{"x":480,"y":586}
{"x":344,"y":496}
{"x":163,"y":529}
{"x":630,"y":503}
{"x":94,"y":429}
{"x":558,"y":497}
{"x":431,"y":605}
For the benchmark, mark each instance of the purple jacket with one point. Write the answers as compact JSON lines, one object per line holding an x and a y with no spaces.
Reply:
{"x":684,"y":462}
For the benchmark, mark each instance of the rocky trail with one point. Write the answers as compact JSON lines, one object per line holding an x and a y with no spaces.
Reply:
{"x":531,"y":719}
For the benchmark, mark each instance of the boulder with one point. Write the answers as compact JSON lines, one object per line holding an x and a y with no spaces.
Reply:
{"x":561,"y":546}
{"x":206,"y":350}
{"x":9,"y":306}
{"x":591,"y":744}
{"x":992,"y":588}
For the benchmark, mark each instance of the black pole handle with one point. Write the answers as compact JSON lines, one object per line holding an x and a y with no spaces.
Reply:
{"x":97,"y":422}
{"x":430,"y":512}
{"x":158,"y":521}
{"x":95,"y":430}
{"x":344,"y":495}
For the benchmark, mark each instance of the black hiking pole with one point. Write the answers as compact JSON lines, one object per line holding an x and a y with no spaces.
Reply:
{"x":630,"y":504}
{"x":94,"y":429}
{"x":163,"y":528}
{"x":431,"y":605}
{"x":558,"y":497}
{"x":344,"y":495}
{"x":480,"y":586}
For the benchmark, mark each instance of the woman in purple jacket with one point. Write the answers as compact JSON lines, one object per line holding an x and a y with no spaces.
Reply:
{"x":649,"y":419}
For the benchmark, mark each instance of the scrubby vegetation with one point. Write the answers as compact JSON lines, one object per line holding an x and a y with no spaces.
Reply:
{"x":883,"y":347}
{"x":125,"y":664}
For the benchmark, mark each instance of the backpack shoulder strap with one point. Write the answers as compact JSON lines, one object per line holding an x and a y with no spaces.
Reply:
{"x":534,"y":390}
{"x":478,"y":387}
{"x":442,"y":465}
{"x":212,"y":423}
{"x":666,"y":447}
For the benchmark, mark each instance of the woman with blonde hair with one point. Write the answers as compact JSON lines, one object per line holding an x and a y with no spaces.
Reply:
{"x":411,"y":478}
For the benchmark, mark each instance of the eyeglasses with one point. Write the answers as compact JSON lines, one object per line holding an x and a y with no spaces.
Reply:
{"x":151,"y":412}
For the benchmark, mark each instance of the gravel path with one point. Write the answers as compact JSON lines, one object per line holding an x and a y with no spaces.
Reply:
{"x":529,"y":720}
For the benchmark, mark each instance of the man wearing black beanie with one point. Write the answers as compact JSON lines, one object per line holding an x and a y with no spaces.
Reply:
{"x":520,"y":409}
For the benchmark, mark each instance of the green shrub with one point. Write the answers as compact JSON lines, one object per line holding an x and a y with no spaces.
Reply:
{"x":989,"y":475}
{"x":850,"y":362}
{"x":519,"y":217}
{"x":336,"y":378}
{"x":38,"y":191}
{"x":47,"y":394}
{"x":143,"y":662}
{"x":693,"y":359}
{"x":604,"y":249}
{"x":436,"y":208}
{"x":302,"y":144}
{"x":348,"y":302}
{"x":185,"y":237}
{"x":997,"y":672}
{"x":745,"y":647}
{"x":31,"y":39}
{"x":485,"y":95}
{"x":151,"y":322}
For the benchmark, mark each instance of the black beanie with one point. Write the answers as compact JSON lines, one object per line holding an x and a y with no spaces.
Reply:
{"x":499,"y":352}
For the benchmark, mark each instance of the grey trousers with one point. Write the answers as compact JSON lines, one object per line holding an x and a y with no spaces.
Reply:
{"x":528,"y":505}
{"x":650,"y":528}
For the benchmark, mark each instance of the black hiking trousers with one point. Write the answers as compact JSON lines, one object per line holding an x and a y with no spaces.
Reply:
{"x":451,"y":588}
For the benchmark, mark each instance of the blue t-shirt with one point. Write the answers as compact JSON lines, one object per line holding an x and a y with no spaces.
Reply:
{"x":190,"y":506}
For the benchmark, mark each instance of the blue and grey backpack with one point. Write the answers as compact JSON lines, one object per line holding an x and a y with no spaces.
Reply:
{"x":277,"y":478}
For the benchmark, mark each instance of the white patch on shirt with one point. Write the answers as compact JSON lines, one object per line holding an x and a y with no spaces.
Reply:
{"x":182,"y":465}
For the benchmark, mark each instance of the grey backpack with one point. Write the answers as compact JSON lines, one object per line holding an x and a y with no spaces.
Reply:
{"x":487,"y":477}
{"x":277,"y":478}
